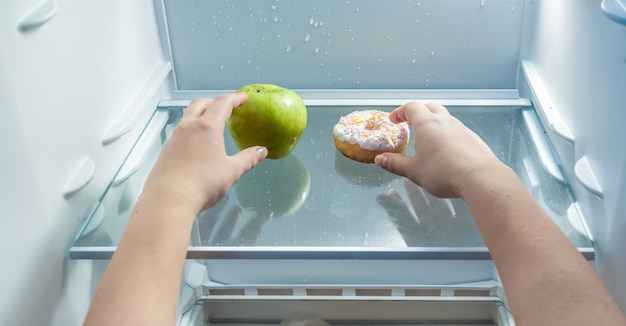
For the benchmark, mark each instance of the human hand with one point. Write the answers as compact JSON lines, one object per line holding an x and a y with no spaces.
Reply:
{"x":193,"y":164}
{"x":446,"y":152}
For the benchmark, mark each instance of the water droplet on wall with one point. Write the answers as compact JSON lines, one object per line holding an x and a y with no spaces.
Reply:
{"x":288,"y":48}
{"x":307,"y":38}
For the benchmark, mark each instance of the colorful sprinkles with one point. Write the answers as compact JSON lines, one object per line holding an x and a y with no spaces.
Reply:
{"x":372,"y":130}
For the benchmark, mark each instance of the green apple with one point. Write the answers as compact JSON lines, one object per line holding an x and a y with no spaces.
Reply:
{"x":280,"y":186}
{"x":273,"y":117}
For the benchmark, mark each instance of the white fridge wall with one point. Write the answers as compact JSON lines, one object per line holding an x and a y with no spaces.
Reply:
{"x":62,"y":85}
{"x":581,"y":57}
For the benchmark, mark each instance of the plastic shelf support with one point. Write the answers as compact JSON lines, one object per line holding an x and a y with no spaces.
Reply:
{"x":587,"y":178}
{"x":81,"y":178}
{"x":615,"y":10}
{"x":38,"y":16}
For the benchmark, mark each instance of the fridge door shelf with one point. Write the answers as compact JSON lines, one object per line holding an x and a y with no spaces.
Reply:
{"x":315,"y":204}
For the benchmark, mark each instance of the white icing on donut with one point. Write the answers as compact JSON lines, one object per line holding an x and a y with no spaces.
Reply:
{"x":372,"y":130}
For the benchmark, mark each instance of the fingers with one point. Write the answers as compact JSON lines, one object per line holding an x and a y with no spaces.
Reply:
{"x":399,"y":164}
{"x":223,"y":106}
{"x":408,"y":112}
{"x":436,"y":107}
{"x":196,"y":107}
{"x":411,"y":111}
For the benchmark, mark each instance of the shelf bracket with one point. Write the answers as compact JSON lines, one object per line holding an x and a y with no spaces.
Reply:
{"x":544,"y":105}
{"x":587,"y":178}
{"x":38,"y":16}
{"x":615,"y":10}
{"x":81,"y":178}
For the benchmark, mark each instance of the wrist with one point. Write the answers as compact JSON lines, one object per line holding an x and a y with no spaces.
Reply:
{"x":484,"y":177}
{"x":171,"y":197}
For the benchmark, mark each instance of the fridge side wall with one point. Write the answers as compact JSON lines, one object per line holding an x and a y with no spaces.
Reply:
{"x":581,"y":58}
{"x":66,"y":78}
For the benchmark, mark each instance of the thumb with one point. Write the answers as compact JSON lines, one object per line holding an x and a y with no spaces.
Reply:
{"x":395,"y":163}
{"x":248,"y":158}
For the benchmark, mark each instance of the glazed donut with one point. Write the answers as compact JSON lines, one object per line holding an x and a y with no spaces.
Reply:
{"x":361,"y":135}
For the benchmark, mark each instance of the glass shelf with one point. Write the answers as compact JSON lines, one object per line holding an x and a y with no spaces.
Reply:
{"x":317,"y":204}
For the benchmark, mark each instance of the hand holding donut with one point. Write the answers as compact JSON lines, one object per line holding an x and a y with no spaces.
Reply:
{"x":446,"y":152}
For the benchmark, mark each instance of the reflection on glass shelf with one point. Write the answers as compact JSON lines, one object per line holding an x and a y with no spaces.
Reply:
{"x":317,"y":198}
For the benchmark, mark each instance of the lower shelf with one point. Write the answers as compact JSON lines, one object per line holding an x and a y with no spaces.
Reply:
{"x":348,"y":311}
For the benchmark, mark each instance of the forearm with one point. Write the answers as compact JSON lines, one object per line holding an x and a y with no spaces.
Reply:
{"x":143,"y":278}
{"x":538,"y":264}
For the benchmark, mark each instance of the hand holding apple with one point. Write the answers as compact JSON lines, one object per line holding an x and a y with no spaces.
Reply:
{"x":273,"y":117}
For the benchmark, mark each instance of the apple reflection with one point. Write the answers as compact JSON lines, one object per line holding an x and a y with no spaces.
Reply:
{"x":280,"y":186}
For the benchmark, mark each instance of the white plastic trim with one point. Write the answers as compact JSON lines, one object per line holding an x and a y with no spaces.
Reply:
{"x":615,"y":10}
{"x":380,"y":97}
{"x":484,"y":289}
{"x":96,"y":219}
{"x":577,"y":222}
{"x":541,"y":144}
{"x":586,"y":177}
{"x":140,"y":151}
{"x":144,"y":100}
{"x":42,"y":14}
{"x":544,"y":104}
{"x":81,"y":177}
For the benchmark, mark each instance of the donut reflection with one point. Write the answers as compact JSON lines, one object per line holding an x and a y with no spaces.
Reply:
{"x":361,"y":174}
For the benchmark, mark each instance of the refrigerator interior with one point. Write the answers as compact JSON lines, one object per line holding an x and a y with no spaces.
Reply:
{"x":93,"y":89}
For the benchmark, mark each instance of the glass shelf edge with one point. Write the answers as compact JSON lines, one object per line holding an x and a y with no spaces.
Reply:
{"x":318,"y":253}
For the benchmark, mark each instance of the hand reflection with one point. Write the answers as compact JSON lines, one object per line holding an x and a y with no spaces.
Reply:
{"x":428,"y":221}
{"x":224,"y":234}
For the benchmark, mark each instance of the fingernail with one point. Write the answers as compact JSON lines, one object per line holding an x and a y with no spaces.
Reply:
{"x":261,"y":152}
{"x":381,"y":160}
